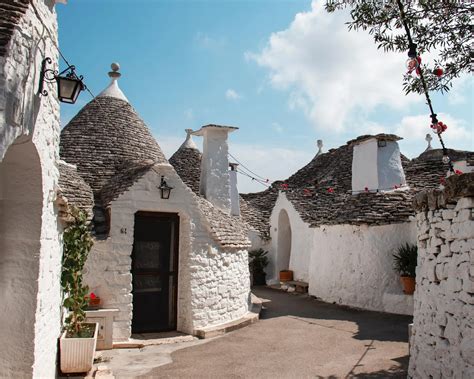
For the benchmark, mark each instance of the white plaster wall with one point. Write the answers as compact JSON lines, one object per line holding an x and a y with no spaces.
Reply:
{"x":215,"y":182}
{"x":301,"y":243}
{"x":353,"y":265}
{"x":442,"y":344}
{"x":364,"y":166}
{"x":345,"y":264}
{"x":213,"y":283}
{"x":27,"y":118}
{"x":390,"y":170}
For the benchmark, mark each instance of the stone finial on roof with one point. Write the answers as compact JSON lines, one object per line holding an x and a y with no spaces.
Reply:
{"x":113,"y":89}
{"x":189,"y":143}
{"x":428,"y":139}
{"x":319,"y":143}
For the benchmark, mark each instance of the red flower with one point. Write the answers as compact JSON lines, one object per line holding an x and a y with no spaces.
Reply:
{"x":92,"y":296}
{"x":330,"y":190}
{"x":458,"y":172}
{"x":284,"y":186}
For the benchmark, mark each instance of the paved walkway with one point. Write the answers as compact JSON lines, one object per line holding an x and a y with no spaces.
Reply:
{"x":297,"y":337}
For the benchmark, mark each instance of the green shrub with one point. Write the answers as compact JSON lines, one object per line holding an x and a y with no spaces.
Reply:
{"x":405,"y":260}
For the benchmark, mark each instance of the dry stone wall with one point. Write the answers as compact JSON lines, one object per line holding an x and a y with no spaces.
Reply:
{"x":442,"y":344}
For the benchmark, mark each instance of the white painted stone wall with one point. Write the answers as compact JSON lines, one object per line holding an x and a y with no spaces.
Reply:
{"x":213,"y":283}
{"x":346,"y":264}
{"x":442,"y":344}
{"x":26,"y":118}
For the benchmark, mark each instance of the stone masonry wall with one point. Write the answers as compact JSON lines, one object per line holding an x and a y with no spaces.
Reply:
{"x":442,"y":344}
{"x":26,"y":117}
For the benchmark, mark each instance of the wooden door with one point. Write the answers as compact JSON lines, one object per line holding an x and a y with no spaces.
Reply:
{"x":155,"y":272}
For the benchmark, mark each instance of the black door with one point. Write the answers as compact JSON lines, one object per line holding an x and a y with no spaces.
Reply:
{"x":155,"y":272}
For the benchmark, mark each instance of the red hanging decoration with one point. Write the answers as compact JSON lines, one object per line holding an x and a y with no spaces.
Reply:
{"x":284,"y":186}
{"x":438,"y":72}
{"x":439,"y":127}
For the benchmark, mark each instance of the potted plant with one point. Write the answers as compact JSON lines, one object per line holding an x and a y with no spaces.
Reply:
{"x":258,"y":260}
{"x":405,"y":264}
{"x":79,"y":339}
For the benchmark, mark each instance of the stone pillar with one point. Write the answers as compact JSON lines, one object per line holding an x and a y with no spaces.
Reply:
{"x":215,"y":179}
{"x":442,"y":344}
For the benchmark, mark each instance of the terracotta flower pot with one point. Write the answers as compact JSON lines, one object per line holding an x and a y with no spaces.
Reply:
{"x":408,"y":284}
{"x":286,"y":275}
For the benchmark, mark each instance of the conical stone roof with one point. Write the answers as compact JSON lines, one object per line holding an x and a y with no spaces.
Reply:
{"x":107,"y":136}
{"x":187,"y":163}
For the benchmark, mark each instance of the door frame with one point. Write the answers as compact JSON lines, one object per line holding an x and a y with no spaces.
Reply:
{"x":174,"y":218}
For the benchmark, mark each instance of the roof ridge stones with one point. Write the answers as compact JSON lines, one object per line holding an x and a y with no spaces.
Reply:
{"x":321,"y":190}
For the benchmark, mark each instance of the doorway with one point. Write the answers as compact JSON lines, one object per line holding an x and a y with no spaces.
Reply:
{"x":284,"y":242}
{"x":155,"y":272}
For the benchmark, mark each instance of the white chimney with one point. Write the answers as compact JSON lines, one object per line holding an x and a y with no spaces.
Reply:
{"x":234,"y":192}
{"x":215,"y":178}
{"x":376,"y":164}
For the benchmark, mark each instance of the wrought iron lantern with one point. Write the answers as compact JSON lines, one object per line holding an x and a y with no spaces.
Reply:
{"x":165,"y":189}
{"x":69,"y":84}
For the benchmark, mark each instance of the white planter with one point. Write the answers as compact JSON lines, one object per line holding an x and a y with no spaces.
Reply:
{"x":77,"y":354}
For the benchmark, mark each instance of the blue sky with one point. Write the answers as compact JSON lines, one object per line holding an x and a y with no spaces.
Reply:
{"x":283,"y":71}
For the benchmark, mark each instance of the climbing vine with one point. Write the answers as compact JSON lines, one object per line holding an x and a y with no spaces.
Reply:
{"x":77,"y":244}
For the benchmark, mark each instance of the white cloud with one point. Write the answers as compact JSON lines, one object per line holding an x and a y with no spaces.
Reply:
{"x":461,"y":86}
{"x":231,"y":94}
{"x":333,"y":75}
{"x":271,"y":163}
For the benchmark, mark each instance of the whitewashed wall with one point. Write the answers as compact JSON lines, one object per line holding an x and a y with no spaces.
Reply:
{"x":213,"y":283}
{"x":442,"y":345}
{"x":29,"y":348}
{"x":353,"y":265}
{"x":346,"y":264}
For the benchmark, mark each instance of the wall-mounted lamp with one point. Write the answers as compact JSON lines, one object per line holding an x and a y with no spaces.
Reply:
{"x":69,"y":84}
{"x":165,"y":189}
{"x":381,"y":143}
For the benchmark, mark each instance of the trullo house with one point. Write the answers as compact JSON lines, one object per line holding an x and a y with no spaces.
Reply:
{"x":167,"y":257}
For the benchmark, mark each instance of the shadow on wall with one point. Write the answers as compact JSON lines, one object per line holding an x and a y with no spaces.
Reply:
{"x":370,"y":325}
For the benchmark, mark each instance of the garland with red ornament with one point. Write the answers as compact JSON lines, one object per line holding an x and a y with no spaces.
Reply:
{"x":414,"y":64}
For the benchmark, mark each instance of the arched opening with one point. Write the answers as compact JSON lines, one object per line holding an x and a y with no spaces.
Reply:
{"x":284,"y":242}
{"x":21,"y":202}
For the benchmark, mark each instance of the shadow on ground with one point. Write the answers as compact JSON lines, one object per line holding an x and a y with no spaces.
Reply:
{"x":371,"y":325}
